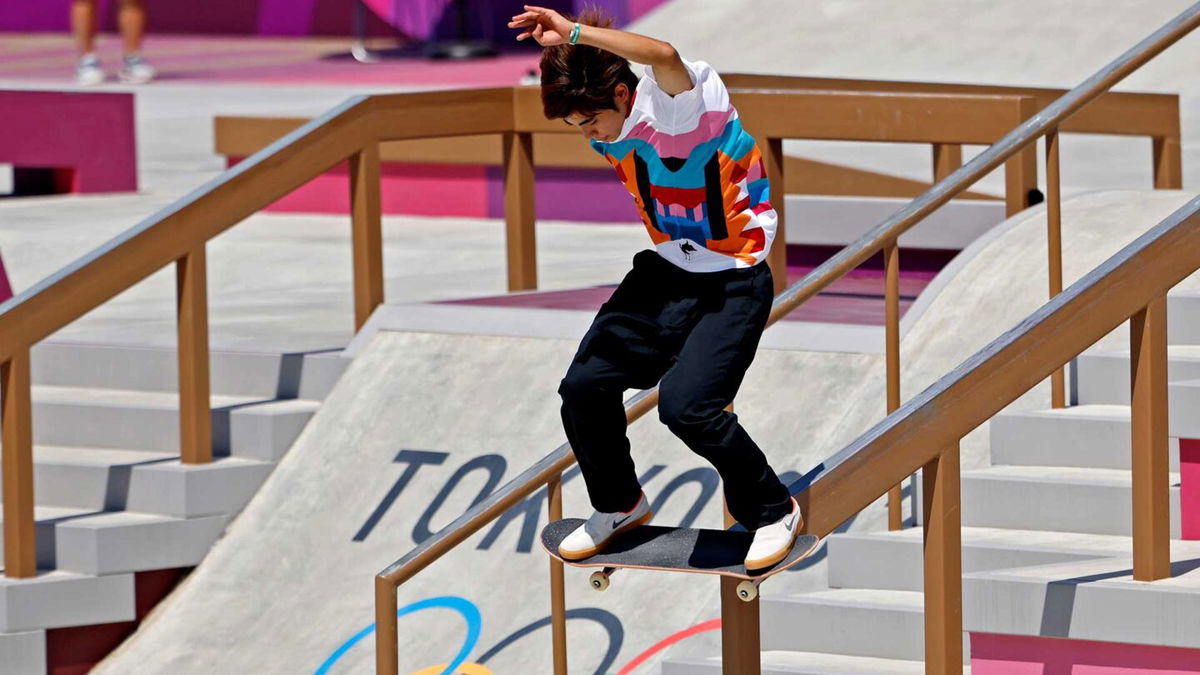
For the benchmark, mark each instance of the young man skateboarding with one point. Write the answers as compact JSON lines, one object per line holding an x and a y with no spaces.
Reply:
{"x":689,"y":315}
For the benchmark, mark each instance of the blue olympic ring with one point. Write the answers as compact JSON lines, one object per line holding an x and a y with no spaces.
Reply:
{"x":463,"y":606}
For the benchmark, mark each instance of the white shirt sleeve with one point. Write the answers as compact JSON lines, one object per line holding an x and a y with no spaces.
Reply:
{"x":708,"y":93}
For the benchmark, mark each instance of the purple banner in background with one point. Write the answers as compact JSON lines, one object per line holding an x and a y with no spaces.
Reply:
{"x":418,"y":19}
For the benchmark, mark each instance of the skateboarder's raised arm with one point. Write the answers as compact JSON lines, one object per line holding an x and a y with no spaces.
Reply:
{"x":550,"y":28}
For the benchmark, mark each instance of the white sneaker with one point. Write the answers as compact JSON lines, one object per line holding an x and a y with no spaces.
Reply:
{"x":773,"y":542}
{"x":89,"y":73}
{"x":591,"y":537}
{"x":135,"y":70}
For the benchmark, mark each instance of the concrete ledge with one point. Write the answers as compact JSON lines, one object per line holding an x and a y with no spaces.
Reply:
{"x":61,"y":599}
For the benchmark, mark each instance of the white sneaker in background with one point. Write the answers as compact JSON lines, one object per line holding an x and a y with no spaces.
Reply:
{"x":773,"y":542}
{"x":135,"y":70}
{"x":594,"y":534}
{"x":89,"y":73}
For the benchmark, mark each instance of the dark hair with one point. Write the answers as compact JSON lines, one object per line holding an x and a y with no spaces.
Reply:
{"x":583,"y":79}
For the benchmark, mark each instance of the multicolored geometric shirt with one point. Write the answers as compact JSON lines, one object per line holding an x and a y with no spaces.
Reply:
{"x":695,"y":174}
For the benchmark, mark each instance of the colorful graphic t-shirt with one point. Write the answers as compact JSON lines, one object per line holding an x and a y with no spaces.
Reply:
{"x":695,"y":174}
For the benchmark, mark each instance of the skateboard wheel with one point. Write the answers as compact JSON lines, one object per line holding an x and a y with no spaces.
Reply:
{"x":599,"y":580}
{"x":747,"y":591}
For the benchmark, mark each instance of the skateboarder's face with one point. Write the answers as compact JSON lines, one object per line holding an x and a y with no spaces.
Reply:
{"x":603,"y":125}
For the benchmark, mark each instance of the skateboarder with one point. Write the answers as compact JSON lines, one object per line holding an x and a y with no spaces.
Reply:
{"x":688,"y":316}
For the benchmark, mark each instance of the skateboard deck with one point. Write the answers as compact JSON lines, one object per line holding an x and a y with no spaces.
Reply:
{"x":678,"y":549}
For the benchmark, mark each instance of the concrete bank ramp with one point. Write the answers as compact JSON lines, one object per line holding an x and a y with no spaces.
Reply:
{"x":418,"y":427}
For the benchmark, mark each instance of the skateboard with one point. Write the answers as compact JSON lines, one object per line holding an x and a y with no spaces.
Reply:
{"x":677,"y":549}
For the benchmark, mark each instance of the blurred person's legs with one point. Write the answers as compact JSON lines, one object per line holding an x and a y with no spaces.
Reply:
{"x":131,"y":19}
{"x":83,"y":26}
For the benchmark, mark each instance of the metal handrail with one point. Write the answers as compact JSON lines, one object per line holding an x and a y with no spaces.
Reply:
{"x":850,"y":257}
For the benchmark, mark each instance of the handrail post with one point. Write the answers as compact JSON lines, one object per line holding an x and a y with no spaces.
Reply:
{"x":558,"y":604}
{"x":740,"y":643}
{"x":1058,"y":397}
{"x":16,"y":424}
{"x":943,"y":564}
{"x":772,"y":152}
{"x":1020,"y":171}
{"x":367,"y":228}
{"x":387,"y":639}
{"x":891,"y":265}
{"x":947,"y":157}
{"x":519,"y":214}
{"x":1168,"y":161}
{"x":1148,"y":375}
{"x":195,"y":408}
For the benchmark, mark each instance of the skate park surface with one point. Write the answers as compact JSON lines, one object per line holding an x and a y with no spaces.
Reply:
{"x":287,"y":589}
{"x":422,"y":423}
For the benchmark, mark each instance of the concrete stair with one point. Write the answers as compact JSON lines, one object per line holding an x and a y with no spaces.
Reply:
{"x":113,"y":498}
{"x":1054,"y":498}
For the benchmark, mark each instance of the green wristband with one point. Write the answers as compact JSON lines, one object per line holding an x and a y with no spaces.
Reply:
{"x":575,"y":33}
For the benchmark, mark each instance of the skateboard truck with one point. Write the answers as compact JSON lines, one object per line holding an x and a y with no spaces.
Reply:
{"x":747,"y":590}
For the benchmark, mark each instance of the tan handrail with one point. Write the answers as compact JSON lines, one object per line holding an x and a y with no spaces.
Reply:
{"x":843,"y":496}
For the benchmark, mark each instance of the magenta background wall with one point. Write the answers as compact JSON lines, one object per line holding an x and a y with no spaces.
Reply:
{"x":419,"y":19}
{"x":89,"y":137}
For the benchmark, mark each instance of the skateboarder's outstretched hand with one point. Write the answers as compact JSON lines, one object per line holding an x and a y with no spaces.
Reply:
{"x":546,"y":26}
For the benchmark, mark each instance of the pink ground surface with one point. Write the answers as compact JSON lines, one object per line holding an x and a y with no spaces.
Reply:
{"x":993,"y":654}
{"x":195,"y":59}
{"x":857,"y":298}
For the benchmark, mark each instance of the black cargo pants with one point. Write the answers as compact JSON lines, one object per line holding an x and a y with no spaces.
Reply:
{"x":697,"y":332}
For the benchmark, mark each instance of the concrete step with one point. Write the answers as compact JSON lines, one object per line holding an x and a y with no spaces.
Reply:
{"x":1183,"y":317}
{"x":61,"y":599}
{"x":267,"y":430}
{"x":803,"y":663}
{"x":252,"y":374}
{"x":1103,"y":375}
{"x":853,"y":622}
{"x":86,"y":478}
{"x":1061,"y":499}
{"x":1184,"y":405}
{"x":110,"y":543}
{"x":1092,"y":600}
{"x":1096,"y":436}
{"x":172,"y":488}
{"x":893,"y":560}
{"x":149,"y":421}
{"x":45,"y":519}
{"x":120,"y":418}
{"x":23,"y":653}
